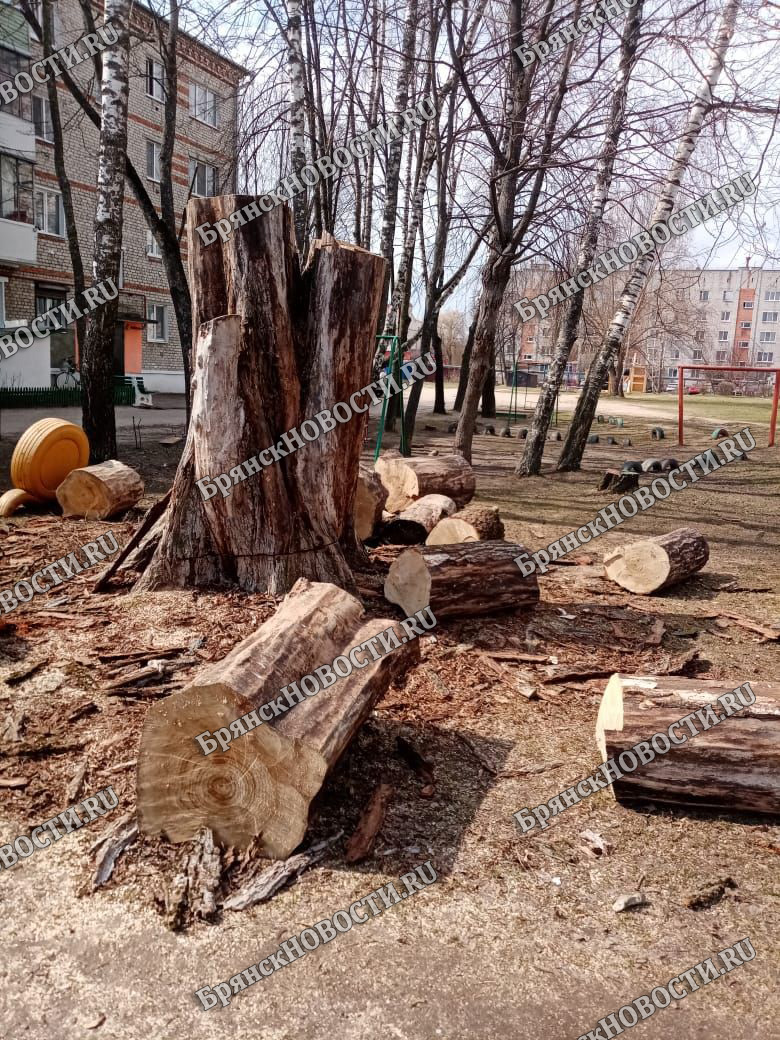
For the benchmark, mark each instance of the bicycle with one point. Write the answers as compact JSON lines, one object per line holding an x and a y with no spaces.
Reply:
{"x":68,"y":379}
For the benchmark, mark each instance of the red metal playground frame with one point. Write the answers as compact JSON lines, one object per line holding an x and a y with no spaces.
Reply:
{"x":725,"y":368}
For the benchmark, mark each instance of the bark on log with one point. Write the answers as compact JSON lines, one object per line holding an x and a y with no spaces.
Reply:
{"x":264,"y":783}
{"x":100,"y":491}
{"x":275,"y":345}
{"x":732,"y":765}
{"x":656,"y":563}
{"x":461,"y":580}
{"x":614,"y":480}
{"x":472,"y":524}
{"x":416,"y":522}
{"x":407,"y":480}
{"x":370,"y":498}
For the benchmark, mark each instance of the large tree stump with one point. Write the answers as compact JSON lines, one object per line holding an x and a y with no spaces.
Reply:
{"x":733,"y":765}
{"x":415,"y":523}
{"x":274,"y":346}
{"x":100,"y":491}
{"x":456,"y":580}
{"x":263,"y":784}
{"x":407,"y":480}
{"x":656,"y":563}
{"x":472,"y":524}
{"x":370,"y":498}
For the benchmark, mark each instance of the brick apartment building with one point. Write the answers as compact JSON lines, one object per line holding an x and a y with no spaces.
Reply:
{"x":35,"y":269}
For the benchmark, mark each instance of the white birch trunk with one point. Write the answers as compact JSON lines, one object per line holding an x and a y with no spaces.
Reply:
{"x":297,"y":115}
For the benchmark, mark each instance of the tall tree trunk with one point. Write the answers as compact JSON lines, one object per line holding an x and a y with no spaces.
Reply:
{"x":295,"y":70}
{"x":531,"y":462}
{"x":439,"y":404}
{"x":489,"y":392}
{"x":465,"y":365}
{"x":577,"y":435}
{"x":97,"y":364}
{"x":71,"y":229}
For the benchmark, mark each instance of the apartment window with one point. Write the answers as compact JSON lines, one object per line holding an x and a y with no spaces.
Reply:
{"x":10,"y":64}
{"x":16,"y":182}
{"x":698,"y":355}
{"x":764,"y":357}
{"x":720,"y":355}
{"x":700,"y":335}
{"x":155,"y":80}
{"x":769,"y":316}
{"x":704,"y":295}
{"x":743,"y":343}
{"x":157,"y":329}
{"x":747,"y":305}
{"x":681,"y":294}
{"x":153,"y":161}
{"x":728,"y":295}
{"x":42,"y":119}
{"x":45,"y":301}
{"x":772,"y":296}
{"x":767,"y":337}
{"x":203,"y":104}
{"x":671,"y":373}
{"x":203,"y":178}
{"x":744,"y":324}
{"x":725,"y":315}
{"x":674,"y":353}
{"x":723,"y":337}
{"x":49,"y":212}
{"x":152,"y":245}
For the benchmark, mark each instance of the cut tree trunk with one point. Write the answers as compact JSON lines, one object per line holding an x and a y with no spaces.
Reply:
{"x":263,"y":784}
{"x":656,"y":563}
{"x":472,"y":524}
{"x":275,"y":345}
{"x":370,"y":498}
{"x":620,"y":483}
{"x":461,"y":580}
{"x":407,"y":480}
{"x":417,"y":521}
{"x":734,"y":765}
{"x":98,"y":492}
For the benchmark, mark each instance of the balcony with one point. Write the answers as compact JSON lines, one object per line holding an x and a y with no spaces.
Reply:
{"x":18,"y":242}
{"x":17,"y":136}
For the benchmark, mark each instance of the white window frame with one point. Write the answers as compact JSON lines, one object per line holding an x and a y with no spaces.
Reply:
{"x":723,"y":337}
{"x":725,"y":315}
{"x":151,"y":336}
{"x":46,"y":120}
{"x":700,"y":335}
{"x":528,"y":357}
{"x":704,"y":295}
{"x":698,"y":354}
{"x":721,"y":355}
{"x":674,"y":354}
{"x":203,"y":100}
{"x":156,"y":149}
{"x":747,"y":305}
{"x":46,"y":192}
{"x":728,"y":295}
{"x":155,"y":78}
{"x":212,"y":173}
{"x":765,"y":357}
{"x":772,"y":295}
{"x":767,"y":337}
{"x":745,"y":324}
{"x":152,"y":245}
{"x":769,"y":317}
{"x":672,"y":373}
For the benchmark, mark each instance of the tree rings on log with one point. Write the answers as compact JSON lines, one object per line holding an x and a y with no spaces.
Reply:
{"x":656,"y":563}
{"x":472,"y":524}
{"x":101,"y":491}
{"x":415,"y":523}
{"x":407,"y":479}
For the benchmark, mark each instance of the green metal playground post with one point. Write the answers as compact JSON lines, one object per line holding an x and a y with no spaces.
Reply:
{"x":394,"y":366}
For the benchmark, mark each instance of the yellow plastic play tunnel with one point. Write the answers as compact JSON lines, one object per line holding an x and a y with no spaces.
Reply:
{"x":13,"y":500}
{"x":45,"y":454}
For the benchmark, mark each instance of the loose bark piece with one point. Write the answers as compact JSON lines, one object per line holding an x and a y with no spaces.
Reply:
{"x":415,"y":760}
{"x":74,"y":787}
{"x":265,"y":782}
{"x":656,"y":563}
{"x":101,"y":491}
{"x":416,"y":522}
{"x":110,"y":847}
{"x":734,"y":765}
{"x":370,"y":498}
{"x":265,"y":883}
{"x":407,"y":480}
{"x":461,"y":580}
{"x":472,"y":524}
{"x":275,"y":346}
{"x":362,"y":841}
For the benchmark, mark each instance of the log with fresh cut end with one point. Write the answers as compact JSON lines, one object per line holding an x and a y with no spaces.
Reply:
{"x":264,"y":783}
{"x":734,"y":765}
{"x":408,"y":479}
{"x":472,"y":524}
{"x":101,"y":491}
{"x":370,"y":498}
{"x":656,"y":563}
{"x":415,"y":523}
{"x":461,"y":580}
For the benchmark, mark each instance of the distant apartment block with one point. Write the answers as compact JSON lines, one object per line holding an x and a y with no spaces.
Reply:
{"x":35,"y":268}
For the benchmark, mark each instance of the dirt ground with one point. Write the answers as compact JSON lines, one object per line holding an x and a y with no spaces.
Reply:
{"x":517,"y":937}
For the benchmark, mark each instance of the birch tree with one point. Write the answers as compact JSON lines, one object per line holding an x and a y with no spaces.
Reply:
{"x":97,"y":356}
{"x":585,"y":411}
{"x":534,"y":445}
